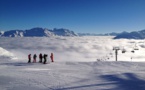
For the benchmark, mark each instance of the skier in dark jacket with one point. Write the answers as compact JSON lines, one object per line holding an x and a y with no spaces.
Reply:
{"x":40,"y":57}
{"x":34,"y":58}
{"x":45,"y":58}
{"x":29,"y":58}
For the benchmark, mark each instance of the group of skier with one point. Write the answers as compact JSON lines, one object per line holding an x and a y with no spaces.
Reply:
{"x":41,"y":57}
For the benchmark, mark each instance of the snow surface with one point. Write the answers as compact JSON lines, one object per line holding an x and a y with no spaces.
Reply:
{"x":80,"y":63}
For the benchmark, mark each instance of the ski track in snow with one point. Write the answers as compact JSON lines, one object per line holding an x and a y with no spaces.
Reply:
{"x":75,"y":66}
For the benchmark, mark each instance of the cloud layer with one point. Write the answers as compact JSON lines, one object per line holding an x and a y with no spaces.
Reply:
{"x":75,"y":48}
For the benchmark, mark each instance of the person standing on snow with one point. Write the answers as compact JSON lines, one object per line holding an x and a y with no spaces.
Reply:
{"x":34,"y":58}
{"x":29,"y":58}
{"x":51,"y":57}
{"x":45,"y":58}
{"x":40,"y":57}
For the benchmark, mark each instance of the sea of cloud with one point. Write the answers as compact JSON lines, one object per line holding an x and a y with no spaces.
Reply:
{"x":87,"y":48}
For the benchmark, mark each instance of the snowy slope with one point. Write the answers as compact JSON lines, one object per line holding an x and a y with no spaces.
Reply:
{"x":72,"y":76}
{"x":75,"y":64}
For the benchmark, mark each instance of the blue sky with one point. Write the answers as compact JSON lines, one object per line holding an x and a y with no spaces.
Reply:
{"x":85,"y":16}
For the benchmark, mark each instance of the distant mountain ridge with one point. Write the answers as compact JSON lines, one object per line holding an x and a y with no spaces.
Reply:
{"x":131,"y":35}
{"x":37,"y":32}
{"x":124,"y":35}
{"x":44,"y":32}
{"x":94,"y":34}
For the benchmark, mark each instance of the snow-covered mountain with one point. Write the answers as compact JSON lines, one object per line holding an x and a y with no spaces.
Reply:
{"x":132,"y":35}
{"x":37,"y":32}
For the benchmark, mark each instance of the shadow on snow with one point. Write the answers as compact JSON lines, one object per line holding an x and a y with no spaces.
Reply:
{"x":125,"y":81}
{"x":130,"y":82}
